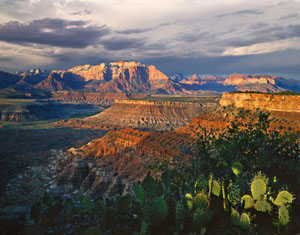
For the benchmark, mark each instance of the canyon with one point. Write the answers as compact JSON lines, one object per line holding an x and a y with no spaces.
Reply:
{"x":97,"y":129}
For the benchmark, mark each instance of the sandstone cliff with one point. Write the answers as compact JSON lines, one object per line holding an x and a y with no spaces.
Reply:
{"x":285,"y":109}
{"x":159,"y":115}
{"x":95,"y":98}
{"x":263,"y":83}
{"x":286,"y":103}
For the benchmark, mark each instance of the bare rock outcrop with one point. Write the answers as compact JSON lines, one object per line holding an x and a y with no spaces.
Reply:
{"x":158,"y":115}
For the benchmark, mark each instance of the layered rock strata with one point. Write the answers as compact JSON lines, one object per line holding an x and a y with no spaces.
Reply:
{"x":158,"y":115}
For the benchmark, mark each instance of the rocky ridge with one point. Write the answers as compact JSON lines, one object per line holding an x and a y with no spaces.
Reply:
{"x":144,"y":114}
{"x":284,"y":103}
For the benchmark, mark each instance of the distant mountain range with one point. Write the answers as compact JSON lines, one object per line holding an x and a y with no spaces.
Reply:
{"x":134,"y":77}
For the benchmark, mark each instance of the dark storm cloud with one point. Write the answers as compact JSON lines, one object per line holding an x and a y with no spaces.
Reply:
{"x":80,"y":13}
{"x":265,"y":35}
{"x":243,"y":12}
{"x":123,"y":43}
{"x":52,"y":32}
{"x":264,"y":63}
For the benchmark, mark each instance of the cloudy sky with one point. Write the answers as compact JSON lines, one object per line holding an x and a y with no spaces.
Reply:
{"x":188,"y":36}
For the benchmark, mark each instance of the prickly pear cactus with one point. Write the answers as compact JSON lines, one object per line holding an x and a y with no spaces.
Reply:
{"x":156,"y":211}
{"x":237,"y":168}
{"x":283,"y":216}
{"x":200,"y":200}
{"x":216,"y":188}
{"x":283,"y":198}
{"x":210,"y":184}
{"x":224,"y":196}
{"x":248,"y":200}
{"x":139,"y":193}
{"x":189,"y":201}
{"x":201,"y":217}
{"x":262,"y":205}
{"x":245,"y":221}
{"x":235,"y":217}
{"x":258,"y":188}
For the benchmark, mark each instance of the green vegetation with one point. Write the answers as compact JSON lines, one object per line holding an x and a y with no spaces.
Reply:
{"x":241,"y":181}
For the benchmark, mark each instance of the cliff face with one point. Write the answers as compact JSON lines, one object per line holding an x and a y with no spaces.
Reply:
{"x":104,"y":99}
{"x":120,"y":76}
{"x":284,"y":103}
{"x":159,"y":115}
{"x":263,"y":83}
{"x":285,"y":109}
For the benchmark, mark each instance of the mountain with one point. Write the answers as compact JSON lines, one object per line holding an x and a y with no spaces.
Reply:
{"x":7,"y":79}
{"x":120,"y":76}
{"x":135,"y":77}
{"x":177,"y":77}
{"x":62,"y":81}
{"x":241,"y":82}
{"x":262,"y":83}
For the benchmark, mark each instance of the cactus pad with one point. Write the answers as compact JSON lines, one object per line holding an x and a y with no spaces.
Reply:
{"x":244,"y":221}
{"x":235,"y":217}
{"x":284,"y":197}
{"x":249,"y":202}
{"x":159,"y":210}
{"x":263,"y":206}
{"x":216,"y":189}
{"x":139,"y":193}
{"x":283,"y":216}
{"x":200,"y":200}
{"x":258,"y":188}
{"x":237,"y":168}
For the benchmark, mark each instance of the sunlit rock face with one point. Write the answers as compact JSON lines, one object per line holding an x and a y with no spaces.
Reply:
{"x":120,"y":76}
{"x":285,"y":103}
{"x":144,"y":114}
{"x":263,"y":83}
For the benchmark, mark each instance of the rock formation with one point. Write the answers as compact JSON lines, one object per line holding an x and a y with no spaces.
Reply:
{"x":95,"y":98}
{"x":158,"y":115}
{"x":285,"y":103}
{"x":263,"y":83}
{"x":135,"y":77}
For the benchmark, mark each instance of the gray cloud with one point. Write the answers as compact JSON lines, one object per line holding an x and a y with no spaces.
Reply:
{"x":141,"y":30}
{"x":259,"y":25}
{"x":52,"y":32}
{"x":193,"y":37}
{"x":80,"y":13}
{"x":265,"y":35}
{"x":262,"y":64}
{"x":122,"y":43}
{"x":134,"y":31}
{"x":242,"y":12}
{"x":290,"y":16}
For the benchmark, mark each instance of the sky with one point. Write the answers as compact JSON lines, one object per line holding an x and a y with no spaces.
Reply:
{"x":187,"y":36}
